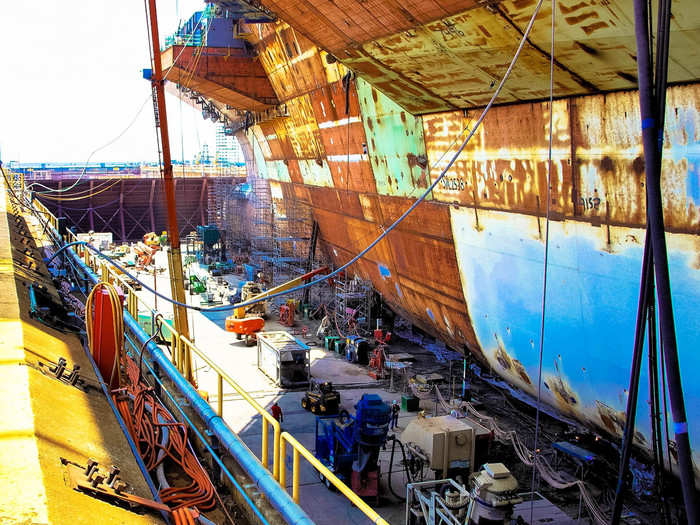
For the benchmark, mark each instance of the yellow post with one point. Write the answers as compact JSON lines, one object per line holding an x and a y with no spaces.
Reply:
{"x":282,"y":467}
{"x":342,"y":487}
{"x":188,"y":362}
{"x":173,"y":347}
{"x":180,"y":356}
{"x":221,"y":397}
{"x":277,"y":458}
{"x":295,"y":478}
{"x":265,"y":439}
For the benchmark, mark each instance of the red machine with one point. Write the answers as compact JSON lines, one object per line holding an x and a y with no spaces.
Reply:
{"x":104,"y":319}
{"x":366,"y":485}
{"x":248,"y":327}
{"x":377,"y":369}
{"x":144,"y":254}
{"x":287,"y":315}
{"x":242,"y":325}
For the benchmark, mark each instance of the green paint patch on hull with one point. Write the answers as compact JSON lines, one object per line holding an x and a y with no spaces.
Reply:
{"x":396,"y":146}
{"x":316,"y":173}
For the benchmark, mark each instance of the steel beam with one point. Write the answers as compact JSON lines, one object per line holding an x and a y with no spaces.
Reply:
{"x":175,"y":258}
{"x":150,"y":205}
{"x":90,"y":208}
{"x":202,"y":193}
{"x":60,"y":202}
{"x":121,"y":209}
{"x":652,"y":154}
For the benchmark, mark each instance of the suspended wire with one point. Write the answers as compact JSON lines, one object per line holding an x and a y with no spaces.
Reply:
{"x":107,"y":144}
{"x":373,"y":243}
{"x":546,"y":261}
{"x":123,"y":132}
{"x":85,"y":192}
{"x":87,"y":195}
{"x":104,"y":205}
{"x":197,"y":55}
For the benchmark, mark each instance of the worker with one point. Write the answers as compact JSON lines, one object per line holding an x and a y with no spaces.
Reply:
{"x":277,"y":412}
{"x":395,"y":409}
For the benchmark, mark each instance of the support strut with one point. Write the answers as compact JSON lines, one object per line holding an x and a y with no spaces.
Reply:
{"x":652,"y":105}
{"x":174,"y":255}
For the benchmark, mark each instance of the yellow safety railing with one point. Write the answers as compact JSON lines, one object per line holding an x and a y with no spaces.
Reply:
{"x":181,"y":351}
{"x":267,"y":418}
{"x":301,"y":450}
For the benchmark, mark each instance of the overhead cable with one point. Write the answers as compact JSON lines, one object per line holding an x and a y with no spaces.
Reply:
{"x":544,"y":271}
{"x":119,"y":136}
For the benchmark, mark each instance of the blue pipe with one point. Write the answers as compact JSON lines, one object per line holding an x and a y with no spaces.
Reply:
{"x":204,"y":442}
{"x":276,"y":495}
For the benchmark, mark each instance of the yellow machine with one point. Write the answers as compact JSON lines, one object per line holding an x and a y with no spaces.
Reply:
{"x":247,"y":321}
{"x":152,"y":240}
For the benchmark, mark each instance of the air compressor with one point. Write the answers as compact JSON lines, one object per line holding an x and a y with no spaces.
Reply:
{"x":349,"y":445}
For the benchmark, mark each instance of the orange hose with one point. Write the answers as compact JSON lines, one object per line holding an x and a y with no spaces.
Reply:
{"x":146,"y":419}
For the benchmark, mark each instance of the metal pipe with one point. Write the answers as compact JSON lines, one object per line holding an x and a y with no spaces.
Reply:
{"x":628,"y":433}
{"x":260,"y":476}
{"x":655,"y":220}
{"x":174,"y":256}
{"x":291,"y":512}
{"x":220,"y":401}
{"x":657,"y":439}
{"x":295,"y":476}
{"x":265,"y":440}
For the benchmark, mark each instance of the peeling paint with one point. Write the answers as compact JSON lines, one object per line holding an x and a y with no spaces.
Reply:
{"x":316,"y":173}
{"x":467,"y":265}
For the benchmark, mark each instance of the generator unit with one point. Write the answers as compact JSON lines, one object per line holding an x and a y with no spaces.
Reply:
{"x":489,"y":500}
{"x":446,"y":444}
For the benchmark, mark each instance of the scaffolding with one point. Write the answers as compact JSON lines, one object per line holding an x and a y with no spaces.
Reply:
{"x":291,"y":236}
{"x":234,"y":221}
{"x":261,"y":245}
{"x":217,"y":197}
{"x":353,"y":305}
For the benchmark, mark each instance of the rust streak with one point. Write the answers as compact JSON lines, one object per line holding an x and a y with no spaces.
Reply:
{"x":582,"y":81}
{"x":420,"y":88}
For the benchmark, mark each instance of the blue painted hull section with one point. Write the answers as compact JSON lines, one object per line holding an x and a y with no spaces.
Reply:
{"x":592,"y":294}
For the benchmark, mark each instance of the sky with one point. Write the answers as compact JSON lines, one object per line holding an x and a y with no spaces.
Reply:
{"x":71,"y":82}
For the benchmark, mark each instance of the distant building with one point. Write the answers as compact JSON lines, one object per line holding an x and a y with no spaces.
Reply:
{"x":228,"y":150}
{"x":203,"y":157}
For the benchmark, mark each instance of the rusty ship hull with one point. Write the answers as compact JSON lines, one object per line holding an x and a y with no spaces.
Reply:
{"x":467,"y":264}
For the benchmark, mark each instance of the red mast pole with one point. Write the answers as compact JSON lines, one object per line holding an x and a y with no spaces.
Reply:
{"x":174,"y":255}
